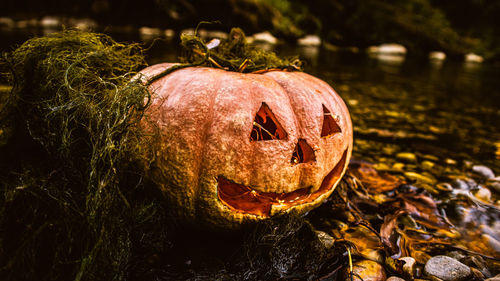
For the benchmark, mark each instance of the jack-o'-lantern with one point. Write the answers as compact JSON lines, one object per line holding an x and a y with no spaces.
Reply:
{"x":236,"y":148}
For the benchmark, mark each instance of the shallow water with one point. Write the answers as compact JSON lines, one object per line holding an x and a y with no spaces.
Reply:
{"x":425,"y":123}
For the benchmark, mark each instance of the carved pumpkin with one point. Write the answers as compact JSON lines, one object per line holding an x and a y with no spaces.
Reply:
{"x":236,"y":148}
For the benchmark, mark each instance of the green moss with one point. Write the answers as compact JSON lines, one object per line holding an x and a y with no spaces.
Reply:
{"x":70,"y":179}
{"x":232,"y":54}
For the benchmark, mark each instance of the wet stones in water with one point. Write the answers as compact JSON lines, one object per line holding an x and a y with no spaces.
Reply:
{"x":407,"y":157}
{"x":491,"y":241}
{"x":464,"y":183}
{"x":427,"y":165}
{"x":419,"y":178}
{"x":483,"y":194}
{"x":409,"y":266}
{"x":395,"y":278}
{"x":494,"y":184}
{"x":483,"y":171}
{"x":366,"y":270}
{"x":325,"y":239}
{"x":447,"y":269}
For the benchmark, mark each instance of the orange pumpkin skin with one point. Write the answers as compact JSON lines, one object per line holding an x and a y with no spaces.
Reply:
{"x":213,"y":162}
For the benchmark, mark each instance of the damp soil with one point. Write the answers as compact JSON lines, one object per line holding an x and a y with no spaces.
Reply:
{"x":419,"y":129}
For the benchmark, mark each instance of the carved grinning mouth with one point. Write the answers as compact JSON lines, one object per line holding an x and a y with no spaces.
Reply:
{"x":245,"y":199}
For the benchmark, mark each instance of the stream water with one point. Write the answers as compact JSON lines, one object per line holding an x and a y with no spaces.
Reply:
{"x":427,"y":123}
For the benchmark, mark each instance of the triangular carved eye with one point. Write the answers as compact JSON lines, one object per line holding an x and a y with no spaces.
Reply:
{"x":302,"y":153}
{"x":330,"y":125}
{"x":266,"y":126}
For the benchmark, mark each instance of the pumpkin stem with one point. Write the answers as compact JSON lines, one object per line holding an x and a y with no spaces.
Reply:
{"x":232,"y":54}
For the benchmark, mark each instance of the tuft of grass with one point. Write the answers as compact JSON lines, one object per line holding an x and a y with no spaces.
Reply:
{"x":71,"y":184}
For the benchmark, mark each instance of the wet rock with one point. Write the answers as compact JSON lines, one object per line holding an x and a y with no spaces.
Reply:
{"x":366,"y":270}
{"x":447,"y":269}
{"x":146,"y":31}
{"x":395,"y":278}
{"x":309,"y":40}
{"x":430,"y":157}
{"x":169,"y":33}
{"x":325,"y":239}
{"x":483,"y":194}
{"x":381,"y":167}
{"x":483,"y":171}
{"x":398,"y":166}
{"x":419,"y":178}
{"x":406,"y":157}
{"x":7,"y":23}
{"x":392,"y":49}
{"x":22,"y":24}
{"x":50,"y":22}
{"x":409,"y":266}
{"x":188,"y":31}
{"x":464,"y":183}
{"x":495,"y":186}
{"x":264,"y":37}
{"x":444,"y":187}
{"x":470,"y":57}
{"x":437,"y":56}
{"x":491,"y":241}
{"x":477,"y":274}
{"x":450,"y":161}
{"x":427,"y":165}
{"x":83,"y":23}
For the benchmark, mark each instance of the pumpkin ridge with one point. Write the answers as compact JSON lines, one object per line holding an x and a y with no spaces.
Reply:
{"x":296,"y":121}
{"x":324,"y":89}
{"x":275,"y":86}
{"x":206,"y":129}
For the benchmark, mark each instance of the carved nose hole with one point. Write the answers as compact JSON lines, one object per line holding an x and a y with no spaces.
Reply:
{"x":330,"y":125}
{"x":303,"y":153}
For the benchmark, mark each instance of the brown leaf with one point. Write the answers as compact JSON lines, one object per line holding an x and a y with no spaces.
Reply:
{"x":373,"y":180}
{"x":387,"y":230}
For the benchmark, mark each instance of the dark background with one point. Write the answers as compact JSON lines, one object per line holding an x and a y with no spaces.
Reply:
{"x":453,"y":26}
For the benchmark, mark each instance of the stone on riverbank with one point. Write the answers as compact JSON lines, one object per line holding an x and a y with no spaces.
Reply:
{"x":447,"y":269}
{"x":483,"y":171}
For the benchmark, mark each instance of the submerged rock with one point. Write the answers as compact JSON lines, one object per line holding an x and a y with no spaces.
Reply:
{"x":407,"y":157}
{"x":483,"y":171}
{"x":7,"y":23}
{"x":325,"y":239}
{"x":366,"y":270}
{"x":483,"y":194}
{"x":309,"y":40}
{"x":447,"y":269}
{"x":419,"y":178}
{"x":50,"y":22}
{"x":409,"y":266}
{"x":388,"y":49}
{"x":427,"y":165}
{"x":495,"y":186}
{"x":264,"y":37}
{"x":437,"y":56}
{"x":491,"y":241}
{"x":470,"y":57}
{"x":395,"y":278}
